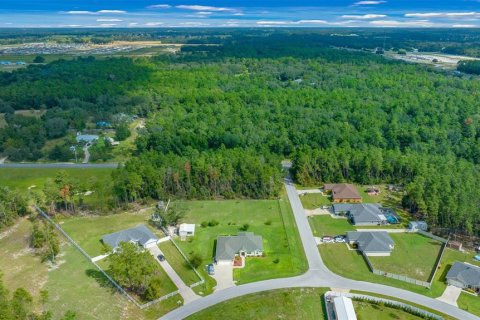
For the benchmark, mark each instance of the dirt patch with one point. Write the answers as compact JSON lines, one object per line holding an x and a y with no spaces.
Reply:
{"x":8,"y":232}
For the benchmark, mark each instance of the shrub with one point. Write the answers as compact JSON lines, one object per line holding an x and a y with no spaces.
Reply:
{"x":195,"y":260}
{"x":213,"y":223}
{"x":276,"y":261}
{"x":245,"y":227}
{"x":204,"y":224}
{"x":268,"y":222}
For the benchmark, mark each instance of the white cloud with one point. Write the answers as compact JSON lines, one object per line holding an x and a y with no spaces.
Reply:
{"x":205,"y":8}
{"x":311,"y":21}
{"x":133,"y":24}
{"x":108,"y":24}
{"x":95,"y":12}
{"x":194,"y":24}
{"x":448,"y":15}
{"x":109,"y":20}
{"x":239,"y":14}
{"x":153,"y":24}
{"x":464,"y":26}
{"x":396,"y":23}
{"x":286,"y":23}
{"x":366,"y":3}
{"x":159,"y":6}
{"x":363,"y":17}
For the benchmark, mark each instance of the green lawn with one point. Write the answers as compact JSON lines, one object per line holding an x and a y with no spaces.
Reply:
{"x":277,"y":304}
{"x":314,"y":200}
{"x":179,"y":264}
{"x":89,"y":230}
{"x":73,"y":285}
{"x":369,"y":311}
{"x":325,"y":225}
{"x":414,"y":256}
{"x":469,"y":303}
{"x":272,"y":219}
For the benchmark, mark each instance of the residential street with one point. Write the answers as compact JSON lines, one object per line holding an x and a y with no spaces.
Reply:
{"x":317,"y":276}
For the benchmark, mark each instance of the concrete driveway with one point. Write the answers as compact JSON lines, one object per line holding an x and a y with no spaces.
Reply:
{"x":450,"y":295}
{"x":224,"y":277}
{"x":186,"y":292}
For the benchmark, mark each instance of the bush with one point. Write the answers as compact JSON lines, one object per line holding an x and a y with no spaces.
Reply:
{"x":276,"y":261}
{"x":245,"y":227}
{"x":268,"y":222}
{"x":204,"y":224}
{"x":213,"y":223}
{"x":195,"y":260}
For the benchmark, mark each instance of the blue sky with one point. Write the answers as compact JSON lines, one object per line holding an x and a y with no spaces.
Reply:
{"x":236,"y":13}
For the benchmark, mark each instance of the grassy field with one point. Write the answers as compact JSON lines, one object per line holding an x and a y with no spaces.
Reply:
{"x":469,"y":303}
{"x":89,"y":230}
{"x":179,"y":264}
{"x":325,"y":225}
{"x":314,"y":200}
{"x":414,"y":256}
{"x":369,"y":311}
{"x":272,"y":219}
{"x":277,"y":304}
{"x":72,"y":285}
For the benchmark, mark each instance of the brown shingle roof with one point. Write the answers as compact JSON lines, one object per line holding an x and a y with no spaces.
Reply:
{"x":343,"y":191}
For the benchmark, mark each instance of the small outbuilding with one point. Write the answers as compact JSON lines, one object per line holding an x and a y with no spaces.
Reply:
{"x":417,"y":225}
{"x":343,"y":307}
{"x":186,"y":230}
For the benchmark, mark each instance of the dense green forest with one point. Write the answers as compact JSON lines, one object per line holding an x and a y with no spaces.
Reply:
{"x":221,"y":118}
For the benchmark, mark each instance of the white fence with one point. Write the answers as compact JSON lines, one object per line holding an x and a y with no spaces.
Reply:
{"x":113,"y":282}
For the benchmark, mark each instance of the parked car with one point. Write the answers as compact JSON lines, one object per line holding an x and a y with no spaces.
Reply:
{"x":210,"y":269}
{"x":327,"y":239}
{"x":161,"y":257}
{"x":340,"y":238}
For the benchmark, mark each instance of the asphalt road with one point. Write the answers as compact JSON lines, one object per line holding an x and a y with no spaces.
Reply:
{"x":318,"y":275}
{"x":59,"y":165}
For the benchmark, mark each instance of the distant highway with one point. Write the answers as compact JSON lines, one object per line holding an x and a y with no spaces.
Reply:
{"x":59,"y":165}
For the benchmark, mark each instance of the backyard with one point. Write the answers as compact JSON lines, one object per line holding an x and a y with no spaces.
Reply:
{"x":271,"y":219}
{"x":414,"y":256}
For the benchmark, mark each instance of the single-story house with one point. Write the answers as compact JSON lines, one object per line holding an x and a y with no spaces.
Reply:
{"x":343,"y":192}
{"x":361,"y":214}
{"x":86,"y":138}
{"x":343,"y":307}
{"x":139,"y":235}
{"x":417,"y":225}
{"x":245,"y":244}
{"x":371,"y":243}
{"x":186,"y":230}
{"x":464,"y":275}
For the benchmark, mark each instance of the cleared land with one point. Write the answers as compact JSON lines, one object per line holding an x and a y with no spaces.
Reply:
{"x":366,"y":310}
{"x":72,"y":285}
{"x":314,"y":200}
{"x":178,"y":263}
{"x":272,"y":219}
{"x":414,"y":256}
{"x":325,"y":225}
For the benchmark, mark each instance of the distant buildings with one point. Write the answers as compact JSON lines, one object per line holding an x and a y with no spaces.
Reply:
{"x":86,"y":138}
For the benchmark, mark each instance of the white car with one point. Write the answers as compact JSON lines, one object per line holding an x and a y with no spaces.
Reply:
{"x":327,"y":239}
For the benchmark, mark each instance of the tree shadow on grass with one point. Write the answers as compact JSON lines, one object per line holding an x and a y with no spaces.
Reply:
{"x":100,"y":278}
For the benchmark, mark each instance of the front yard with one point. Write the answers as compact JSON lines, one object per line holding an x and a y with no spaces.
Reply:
{"x":325,"y":225}
{"x":414,"y":256}
{"x":271,"y":219}
{"x":314,"y":200}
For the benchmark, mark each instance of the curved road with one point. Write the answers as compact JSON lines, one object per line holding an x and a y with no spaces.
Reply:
{"x":318,"y":275}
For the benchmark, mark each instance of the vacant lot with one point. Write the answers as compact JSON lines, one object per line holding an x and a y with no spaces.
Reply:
{"x":414,"y":256}
{"x":272,"y":219}
{"x":314,"y":200}
{"x":72,"y":285}
{"x":325,"y":225}
{"x":369,"y":311}
{"x":89,"y":230}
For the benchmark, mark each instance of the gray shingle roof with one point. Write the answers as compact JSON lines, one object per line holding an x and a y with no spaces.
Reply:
{"x":361,"y":212}
{"x":228,"y":246}
{"x":140,"y":234}
{"x":467,"y":274}
{"x":371,"y":241}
